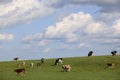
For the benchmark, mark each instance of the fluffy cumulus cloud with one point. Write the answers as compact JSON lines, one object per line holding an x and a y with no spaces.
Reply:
{"x":19,"y":11}
{"x":70,"y":29}
{"x":82,"y":28}
{"x":74,"y":27}
{"x":79,"y":28}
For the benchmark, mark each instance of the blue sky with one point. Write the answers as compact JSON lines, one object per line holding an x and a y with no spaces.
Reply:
{"x":32,"y":29}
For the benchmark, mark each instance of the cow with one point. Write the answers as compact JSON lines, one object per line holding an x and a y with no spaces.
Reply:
{"x":113,"y":53}
{"x":59,"y":60}
{"x":19,"y":65}
{"x":16,"y":59}
{"x":39,"y":64}
{"x":111,"y":64}
{"x":42,"y":60}
{"x":20,"y":70}
{"x":66,"y":67}
{"x":90,"y":53}
{"x":31,"y":64}
{"x":23,"y":63}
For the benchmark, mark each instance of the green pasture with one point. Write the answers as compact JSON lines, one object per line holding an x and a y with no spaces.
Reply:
{"x":83,"y":68}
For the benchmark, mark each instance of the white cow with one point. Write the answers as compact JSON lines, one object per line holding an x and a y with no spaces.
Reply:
{"x":31,"y":64}
{"x":23,"y":63}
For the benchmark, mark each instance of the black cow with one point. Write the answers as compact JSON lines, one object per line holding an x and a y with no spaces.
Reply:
{"x":17,"y":58}
{"x":42,"y":60}
{"x":90,"y":53}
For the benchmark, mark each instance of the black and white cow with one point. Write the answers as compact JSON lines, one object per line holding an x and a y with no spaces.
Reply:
{"x":111,"y":64}
{"x":59,"y":60}
{"x":113,"y":53}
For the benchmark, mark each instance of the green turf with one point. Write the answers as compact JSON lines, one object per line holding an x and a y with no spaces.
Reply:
{"x":83,"y":68}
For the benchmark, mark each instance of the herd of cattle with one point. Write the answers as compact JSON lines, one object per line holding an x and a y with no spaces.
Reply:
{"x":65,"y":68}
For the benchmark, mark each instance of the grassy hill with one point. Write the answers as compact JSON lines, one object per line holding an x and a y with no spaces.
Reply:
{"x":83,"y":68}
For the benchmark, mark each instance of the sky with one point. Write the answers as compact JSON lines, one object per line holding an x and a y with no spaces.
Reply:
{"x":32,"y":29}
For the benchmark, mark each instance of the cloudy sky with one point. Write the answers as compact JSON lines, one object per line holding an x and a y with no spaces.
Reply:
{"x":32,"y":29}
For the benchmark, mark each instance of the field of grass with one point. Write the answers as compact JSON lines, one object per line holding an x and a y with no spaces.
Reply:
{"x":83,"y":68}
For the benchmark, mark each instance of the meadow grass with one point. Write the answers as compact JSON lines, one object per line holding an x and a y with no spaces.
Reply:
{"x":83,"y":68}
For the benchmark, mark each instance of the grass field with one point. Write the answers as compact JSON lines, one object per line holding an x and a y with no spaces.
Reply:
{"x":83,"y":68}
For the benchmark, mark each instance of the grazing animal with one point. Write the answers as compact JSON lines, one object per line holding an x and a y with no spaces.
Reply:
{"x":111,"y":64}
{"x":42,"y":60}
{"x":66,"y":67}
{"x":39,"y":64}
{"x":17,"y":58}
{"x":59,"y":60}
{"x":113,"y":53}
{"x":23,"y":63}
{"x":20,"y":70}
{"x":31,"y":64}
{"x":19,"y":65}
{"x":90,"y":53}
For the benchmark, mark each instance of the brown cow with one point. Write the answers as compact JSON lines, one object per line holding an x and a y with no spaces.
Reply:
{"x":20,"y":70}
{"x":66,"y":67}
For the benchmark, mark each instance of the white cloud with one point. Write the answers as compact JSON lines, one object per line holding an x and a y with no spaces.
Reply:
{"x":27,"y":47}
{"x":46,"y":50}
{"x":41,"y":43}
{"x":6,"y":37}
{"x":74,"y":26}
{"x":21,"y":11}
{"x":71,"y":29}
{"x":95,"y":27}
{"x":109,"y":9}
{"x":32,"y":38}
{"x":81,"y":45}
{"x":79,"y":28}
{"x":68,"y":25}
{"x":116,"y":26}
